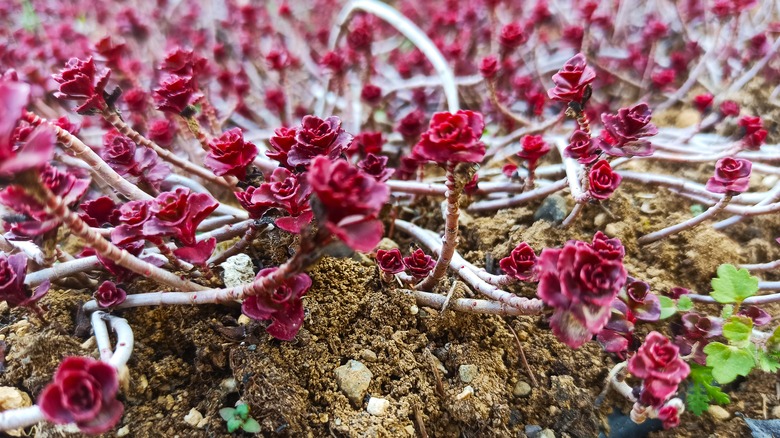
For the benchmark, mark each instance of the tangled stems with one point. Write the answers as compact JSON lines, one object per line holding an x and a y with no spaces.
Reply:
{"x":113,"y":118}
{"x":690,"y":223}
{"x":56,"y":207}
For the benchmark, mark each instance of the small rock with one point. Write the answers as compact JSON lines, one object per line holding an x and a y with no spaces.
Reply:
{"x":89,"y":344}
{"x":467,"y":373}
{"x":776,"y":412}
{"x":323,"y":418}
{"x":237,"y":270}
{"x":414,"y":310}
{"x":466,"y":393}
{"x":410,"y":430}
{"x":553,"y":209}
{"x":244,"y":320}
{"x":533,"y":430}
{"x":353,"y":379}
{"x":368,"y":356}
{"x":228,"y":385}
{"x":387,"y":244}
{"x":193,"y":418}
{"x":522,"y":389}
{"x":124,"y":431}
{"x":377,"y":406}
{"x":12,"y":398}
{"x":547,"y":433}
{"x":600,"y":220}
{"x":611,"y":229}
{"x":718,"y":413}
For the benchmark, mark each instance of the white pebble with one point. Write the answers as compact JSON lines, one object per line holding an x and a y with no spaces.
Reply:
{"x":377,"y":406}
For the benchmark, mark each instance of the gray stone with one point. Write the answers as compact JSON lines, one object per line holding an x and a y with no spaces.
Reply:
{"x":237,"y":270}
{"x":353,"y":379}
{"x":532,"y":430}
{"x":368,"y":356}
{"x":553,"y":209}
{"x":522,"y":389}
{"x":467,"y":373}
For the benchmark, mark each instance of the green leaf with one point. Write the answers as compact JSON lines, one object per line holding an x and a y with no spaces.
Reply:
{"x":684,"y":303}
{"x":697,"y":399}
{"x":737,"y":330}
{"x":732,"y":285}
{"x":773,"y":343}
{"x":702,"y":375}
{"x":728,"y":362}
{"x":727,"y":311}
{"x":233,"y":424}
{"x":768,"y":362}
{"x":242,"y":411}
{"x":227,"y":413}
{"x":668,"y":307}
{"x":251,"y":426}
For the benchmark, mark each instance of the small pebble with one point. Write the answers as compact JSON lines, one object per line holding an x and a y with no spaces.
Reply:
{"x":466,"y":393}
{"x":532,"y":430}
{"x":353,"y":379}
{"x":237,"y":270}
{"x":553,"y":209}
{"x":410,"y":430}
{"x":228,"y":385}
{"x":377,"y":406}
{"x":522,"y":389}
{"x":718,"y":413}
{"x":244,"y":320}
{"x":547,"y":433}
{"x":467,"y":373}
{"x":414,"y":310}
{"x":368,"y":355}
{"x":124,"y":431}
{"x":611,"y":230}
{"x":776,"y":412}
{"x":193,"y":418}
{"x":600,"y":220}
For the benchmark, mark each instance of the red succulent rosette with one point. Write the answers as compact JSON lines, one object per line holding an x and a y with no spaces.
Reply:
{"x":174,"y":94}
{"x":80,"y":80}
{"x":731,"y":175}
{"x":318,"y":137}
{"x":13,"y":271}
{"x":390,"y":261}
{"x":602,"y":180}
{"x":230,"y":154}
{"x":520,"y":263}
{"x":453,"y":138}
{"x":571,"y":80}
{"x":83,"y":392}
{"x":488,"y":67}
{"x":755,"y":134}
{"x":533,"y":148}
{"x":281,"y":143}
{"x":178,"y":214}
{"x":419,"y":264}
{"x":624,"y":132}
{"x":376,"y":166}
{"x":351,"y":201}
{"x":289,"y":192}
{"x":582,"y":148}
{"x":658,"y":364}
{"x":108,"y":295}
{"x":580,"y":284}
{"x":283,"y":306}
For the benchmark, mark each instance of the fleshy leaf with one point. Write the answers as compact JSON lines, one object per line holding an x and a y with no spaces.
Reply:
{"x":732,"y":285}
{"x":251,"y":426}
{"x":233,"y":424}
{"x":227,"y":413}
{"x":728,"y":362}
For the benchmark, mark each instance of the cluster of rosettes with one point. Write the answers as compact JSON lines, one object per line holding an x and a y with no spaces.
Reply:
{"x":80,"y":80}
{"x":732,"y":175}
{"x":580,"y":281}
{"x":624,"y":132}
{"x":417,"y":264}
{"x":33,"y":220}
{"x":175,"y":214}
{"x":634,"y":302}
{"x":659,"y":365}
{"x":284,"y":190}
{"x":294,"y":148}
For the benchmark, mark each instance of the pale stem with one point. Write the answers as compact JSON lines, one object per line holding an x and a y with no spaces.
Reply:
{"x":465,"y":305}
{"x":101,"y":335}
{"x":96,"y":165}
{"x":501,"y":107}
{"x":690,"y":223}
{"x":514,"y":201}
{"x":249,"y":236}
{"x":573,"y":170}
{"x":21,"y":417}
{"x":432,"y":242}
{"x":450,"y":240}
{"x":410,"y":31}
{"x":55,"y":206}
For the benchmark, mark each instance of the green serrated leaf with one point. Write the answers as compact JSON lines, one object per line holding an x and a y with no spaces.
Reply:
{"x":251,"y":426}
{"x":697,"y":399}
{"x":684,"y":303}
{"x":727,"y":311}
{"x":227,"y":413}
{"x":737,"y":330}
{"x":728,"y":362}
{"x":668,"y":307}
{"x":233,"y":424}
{"x":767,"y":362}
{"x":703,"y":376}
{"x":733,"y":285}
